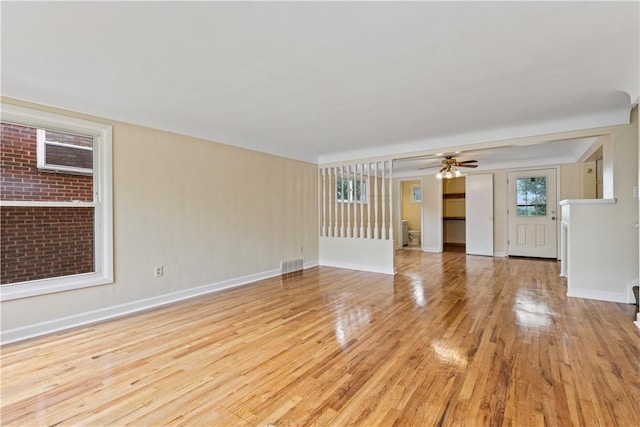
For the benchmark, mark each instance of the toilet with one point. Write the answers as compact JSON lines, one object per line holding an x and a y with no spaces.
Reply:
{"x":414,"y":237}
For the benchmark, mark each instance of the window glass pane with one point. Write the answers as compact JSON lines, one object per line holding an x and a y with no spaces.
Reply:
{"x":69,"y":139}
{"x":416,"y":194}
{"x":20,"y":178}
{"x":44,"y":242}
{"x":531,"y":196}
{"x":352,"y":190}
{"x":68,"y":156}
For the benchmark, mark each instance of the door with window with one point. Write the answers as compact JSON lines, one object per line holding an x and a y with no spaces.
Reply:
{"x":532,"y":213}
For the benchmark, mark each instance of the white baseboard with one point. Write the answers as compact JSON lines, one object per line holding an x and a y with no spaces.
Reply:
{"x":599,"y":295}
{"x":50,"y":326}
{"x":500,"y":254}
{"x":431,"y":250}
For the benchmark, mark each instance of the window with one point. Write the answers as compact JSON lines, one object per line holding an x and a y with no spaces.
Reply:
{"x":351,"y":190}
{"x":531,"y":196}
{"x":64,"y":152}
{"x":416,"y":193}
{"x":56,"y":227}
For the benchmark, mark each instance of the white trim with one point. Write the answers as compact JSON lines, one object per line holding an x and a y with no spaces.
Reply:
{"x":499,"y":254}
{"x":32,"y":288}
{"x":40,"y":204}
{"x":42,"y":328}
{"x":588,"y":202}
{"x":102,"y":200}
{"x":66,"y":145}
{"x":599,"y":295}
{"x":432,"y":250}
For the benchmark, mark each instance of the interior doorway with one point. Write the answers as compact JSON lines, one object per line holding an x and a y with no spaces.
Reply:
{"x":454,"y":214}
{"x":411,"y":214}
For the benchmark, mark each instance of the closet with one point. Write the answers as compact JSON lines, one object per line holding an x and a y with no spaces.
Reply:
{"x":453,"y":213}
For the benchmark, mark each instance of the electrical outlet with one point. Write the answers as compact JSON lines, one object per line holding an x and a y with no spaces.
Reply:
{"x":158,"y":271}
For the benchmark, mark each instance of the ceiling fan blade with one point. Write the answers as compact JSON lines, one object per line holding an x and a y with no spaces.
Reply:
{"x":468,"y":166}
{"x":432,"y":165}
{"x":467,"y":161}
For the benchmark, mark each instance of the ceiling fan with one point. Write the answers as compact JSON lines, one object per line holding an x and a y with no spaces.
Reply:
{"x":449,"y":167}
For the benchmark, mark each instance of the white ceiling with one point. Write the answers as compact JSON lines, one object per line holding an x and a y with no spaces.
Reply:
{"x":323,"y":81}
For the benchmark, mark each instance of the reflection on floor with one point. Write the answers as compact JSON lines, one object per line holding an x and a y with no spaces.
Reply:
{"x":450,"y":340}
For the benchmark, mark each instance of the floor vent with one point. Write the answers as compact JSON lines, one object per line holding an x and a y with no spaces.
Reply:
{"x":291,"y":265}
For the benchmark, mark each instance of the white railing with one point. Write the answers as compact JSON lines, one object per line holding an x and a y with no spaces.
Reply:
{"x":356,"y":200}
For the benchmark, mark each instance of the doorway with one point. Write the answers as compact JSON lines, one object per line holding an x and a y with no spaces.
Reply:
{"x":454,"y":214}
{"x":531,"y":211}
{"x":411,"y":214}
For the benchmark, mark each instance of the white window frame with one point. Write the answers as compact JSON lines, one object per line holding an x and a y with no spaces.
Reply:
{"x":41,"y":150}
{"x":102,"y":201}
{"x":415,"y":187}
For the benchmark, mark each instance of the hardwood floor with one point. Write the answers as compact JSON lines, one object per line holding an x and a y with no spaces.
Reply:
{"x":450,"y":340}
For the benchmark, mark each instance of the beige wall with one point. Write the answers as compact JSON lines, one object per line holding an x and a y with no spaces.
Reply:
{"x":205,"y":211}
{"x":410,"y":210}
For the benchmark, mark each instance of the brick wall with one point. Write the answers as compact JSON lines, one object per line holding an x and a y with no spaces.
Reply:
{"x":20,"y":178}
{"x":41,"y":242}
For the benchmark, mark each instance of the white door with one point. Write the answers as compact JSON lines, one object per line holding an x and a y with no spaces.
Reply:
{"x":532,"y":213}
{"x":479,"y":214}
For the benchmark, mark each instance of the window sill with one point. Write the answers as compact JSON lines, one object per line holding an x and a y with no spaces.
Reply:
{"x":49,"y":286}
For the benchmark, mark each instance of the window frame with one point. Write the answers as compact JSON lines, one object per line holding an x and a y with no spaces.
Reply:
{"x":535,"y":206}
{"x":41,"y":155}
{"x":102,"y":203}
{"x":415,"y":187}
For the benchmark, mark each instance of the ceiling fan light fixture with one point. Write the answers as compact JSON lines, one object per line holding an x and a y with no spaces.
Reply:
{"x":450,"y":168}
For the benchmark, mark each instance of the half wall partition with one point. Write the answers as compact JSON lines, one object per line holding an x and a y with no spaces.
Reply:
{"x":355,"y":215}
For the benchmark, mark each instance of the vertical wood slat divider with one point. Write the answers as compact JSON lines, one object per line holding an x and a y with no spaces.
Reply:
{"x":363,"y":194}
{"x":383,"y":203}
{"x":376,"y":230}
{"x":323,"y":188}
{"x":348,"y":199}
{"x":341,"y":185}
{"x":370,"y":195}
{"x":390,"y":200}
{"x":334,"y":191}
{"x":376,"y":192}
{"x":329,"y":205}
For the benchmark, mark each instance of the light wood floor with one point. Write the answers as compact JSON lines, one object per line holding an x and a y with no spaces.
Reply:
{"x":450,"y":340}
